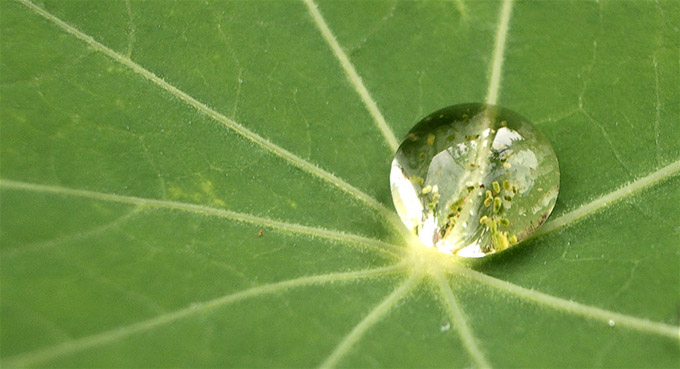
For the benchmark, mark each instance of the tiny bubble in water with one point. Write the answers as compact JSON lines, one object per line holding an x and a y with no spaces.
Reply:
{"x":445,"y":327}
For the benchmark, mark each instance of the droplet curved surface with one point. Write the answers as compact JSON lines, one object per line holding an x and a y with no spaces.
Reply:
{"x":474,"y":179}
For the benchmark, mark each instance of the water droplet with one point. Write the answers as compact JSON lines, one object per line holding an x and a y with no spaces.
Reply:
{"x":445,"y":327}
{"x":466,"y":179}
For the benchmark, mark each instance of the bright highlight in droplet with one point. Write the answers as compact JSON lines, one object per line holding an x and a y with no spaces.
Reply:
{"x":474,"y":179}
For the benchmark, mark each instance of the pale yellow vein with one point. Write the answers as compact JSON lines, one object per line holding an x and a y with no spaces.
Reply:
{"x":71,"y":347}
{"x":375,"y":316}
{"x":498,"y":51}
{"x":460,"y":321}
{"x":609,"y":199}
{"x":208,"y":211}
{"x":227,"y":122}
{"x":587,"y":311}
{"x":352,"y":75}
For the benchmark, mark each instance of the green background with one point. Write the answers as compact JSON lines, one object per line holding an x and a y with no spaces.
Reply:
{"x":103,"y":263}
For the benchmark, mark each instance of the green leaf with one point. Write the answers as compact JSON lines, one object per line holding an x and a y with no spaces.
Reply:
{"x":206,"y":184}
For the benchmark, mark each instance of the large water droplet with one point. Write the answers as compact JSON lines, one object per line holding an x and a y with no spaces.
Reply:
{"x":474,"y":179}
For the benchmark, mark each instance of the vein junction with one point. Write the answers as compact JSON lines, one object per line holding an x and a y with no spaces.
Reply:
{"x":417,"y":262}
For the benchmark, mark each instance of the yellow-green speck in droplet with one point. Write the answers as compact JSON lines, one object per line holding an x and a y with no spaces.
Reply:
{"x":430,"y":139}
{"x":496,"y":187}
{"x":475,"y":192}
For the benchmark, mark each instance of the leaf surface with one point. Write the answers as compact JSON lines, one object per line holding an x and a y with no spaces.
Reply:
{"x":205,"y":184}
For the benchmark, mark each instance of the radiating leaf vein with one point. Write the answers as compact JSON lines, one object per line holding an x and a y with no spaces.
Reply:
{"x":607,"y":200}
{"x":498,"y":51}
{"x":227,"y":122}
{"x":352,"y":75}
{"x":375,"y":316}
{"x":460,"y":321}
{"x":114,"y":335}
{"x":374,"y":244}
{"x":591,"y":312}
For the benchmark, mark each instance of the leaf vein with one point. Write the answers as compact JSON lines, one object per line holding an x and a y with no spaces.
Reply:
{"x":498,"y":51}
{"x":209,"y":211}
{"x":375,"y":316}
{"x":591,"y":312}
{"x":607,"y":200}
{"x":71,"y":347}
{"x":456,"y":314}
{"x":225,"y":121}
{"x":352,"y":75}
{"x":42,"y":245}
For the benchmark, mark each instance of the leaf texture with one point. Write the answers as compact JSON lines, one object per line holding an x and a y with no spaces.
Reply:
{"x":205,"y":184}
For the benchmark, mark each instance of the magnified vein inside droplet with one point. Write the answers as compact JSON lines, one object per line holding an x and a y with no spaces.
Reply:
{"x":474,"y":173}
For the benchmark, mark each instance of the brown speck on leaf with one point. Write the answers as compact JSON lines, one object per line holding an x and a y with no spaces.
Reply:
{"x":260,"y":233}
